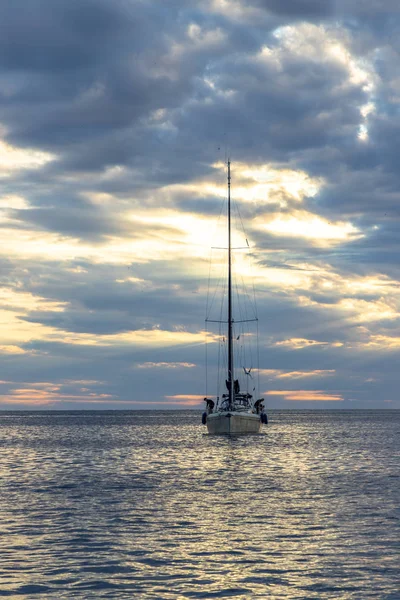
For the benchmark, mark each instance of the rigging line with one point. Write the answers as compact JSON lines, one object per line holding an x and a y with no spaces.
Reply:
{"x":242,"y":306}
{"x":222,"y":271}
{"x":241,"y":297}
{"x":245,"y":289}
{"x":239,"y":217}
{"x":244,"y":349}
{"x":243,"y":340}
{"x":249,"y":309}
{"x":241,"y":222}
{"x":258,"y":364}
{"x":238,"y":303}
{"x":250,"y":287}
{"x":206,"y":361}
{"x":254,"y":297}
{"x":220,"y":348}
{"x":245,"y":303}
{"x":221,"y":278}
{"x":250,"y":290}
{"x":250,"y":258}
{"x":249,"y":358}
{"x":221,"y":212}
{"x":219,"y":361}
{"x":208,"y":286}
{"x":222,"y":209}
{"x":224,"y":361}
{"x":222,"y":298}
{"x":236,"y":327}
{"x":249,"y":344}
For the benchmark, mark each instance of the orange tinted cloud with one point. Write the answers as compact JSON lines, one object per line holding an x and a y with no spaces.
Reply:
{"x":299,"y":343}
{"x":281,"y":374}
{"x":43,"y":393}
{"x":186,"y":399}
{"x":34,"y":397}
{"x":306,"y":395}
{"x":166,"y":365}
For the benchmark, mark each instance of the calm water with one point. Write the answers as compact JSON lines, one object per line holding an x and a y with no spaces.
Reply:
{"x":139,"y":505}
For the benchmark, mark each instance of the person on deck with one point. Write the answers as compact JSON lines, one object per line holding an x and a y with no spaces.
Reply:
{"x":258,"y":405}
{"x":209,"y":404}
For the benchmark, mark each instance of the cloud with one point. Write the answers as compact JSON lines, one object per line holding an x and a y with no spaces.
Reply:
{"x":299,"y":343}
{"x":14,"y":159}
{"x":306,"y":395}
{"x":165,"y":365}
{"x":311,"y":227}
{"x":303,"y":9}
{"x":116,"y":122}
{"x":10,"y":349}
{"x":281,"y":374}
{"x":186,"y":400}
{"x":44,"y":393}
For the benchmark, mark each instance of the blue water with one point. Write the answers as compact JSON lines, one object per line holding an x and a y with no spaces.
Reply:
{"x":145,"y":505}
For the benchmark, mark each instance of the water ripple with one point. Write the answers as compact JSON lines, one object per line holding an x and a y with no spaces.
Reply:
{"x":139,"y":505}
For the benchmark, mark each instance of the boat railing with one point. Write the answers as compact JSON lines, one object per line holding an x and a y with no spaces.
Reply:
{"x":241,"y":402}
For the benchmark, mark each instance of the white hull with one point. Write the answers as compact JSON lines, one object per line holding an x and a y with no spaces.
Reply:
{"x":233,"y":423}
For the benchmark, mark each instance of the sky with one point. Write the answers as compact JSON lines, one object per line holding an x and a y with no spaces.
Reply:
{"x":116,"y":120}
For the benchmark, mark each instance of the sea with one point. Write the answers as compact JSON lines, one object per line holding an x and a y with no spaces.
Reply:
{"x":146,"y":505}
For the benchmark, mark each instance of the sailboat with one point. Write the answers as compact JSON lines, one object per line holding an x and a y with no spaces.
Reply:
{"x":236,"y":412}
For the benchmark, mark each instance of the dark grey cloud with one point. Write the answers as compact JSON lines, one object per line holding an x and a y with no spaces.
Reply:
{"x":41,"y":35}
{"x":356,"y":12}
{"x":303,"y":9}
{"x":91,"y":69}
{"x":86,"y":222}
{"x":82,"y":71}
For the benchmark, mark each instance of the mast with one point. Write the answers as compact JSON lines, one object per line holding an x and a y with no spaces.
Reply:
{"x":230,"y":320}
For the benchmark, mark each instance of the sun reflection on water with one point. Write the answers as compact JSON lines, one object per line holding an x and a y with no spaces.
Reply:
{"x":139,"y":504}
